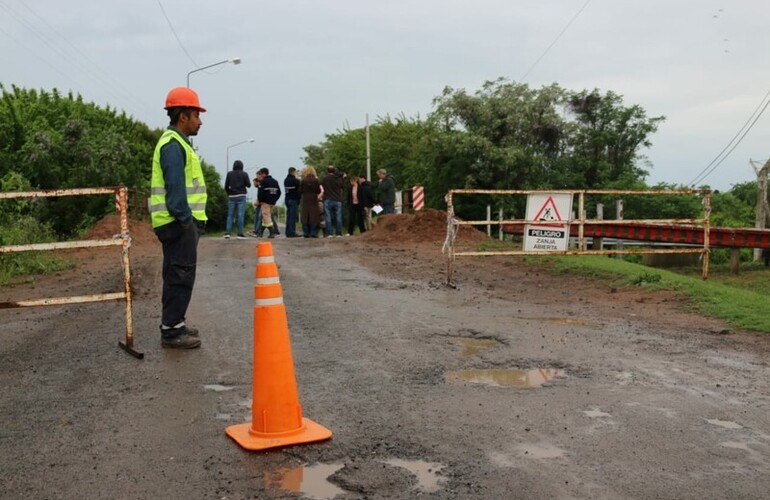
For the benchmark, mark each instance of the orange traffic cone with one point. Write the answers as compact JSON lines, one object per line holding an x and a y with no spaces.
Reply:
{"x":276,"y":415}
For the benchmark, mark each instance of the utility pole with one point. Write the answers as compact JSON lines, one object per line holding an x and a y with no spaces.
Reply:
{"x":763,"y":210}
{"x":368,"y":152}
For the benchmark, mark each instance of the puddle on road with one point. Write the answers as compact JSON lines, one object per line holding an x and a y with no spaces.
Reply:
{"x":560,"y":321}
{"x":428,"y":480}
{"x":218,"y":387}
{"x":725,"y":423}
{"x":311,"y":481}
{"x":507,"y":378}
{"x":474,"y":346}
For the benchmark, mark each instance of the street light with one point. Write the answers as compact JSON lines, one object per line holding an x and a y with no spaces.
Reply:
{"x":227,"y":161}
{"x":235,"y":60}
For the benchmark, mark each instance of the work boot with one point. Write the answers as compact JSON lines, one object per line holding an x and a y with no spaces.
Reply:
{"x":181,"y":341}
{"x":180,"y":338}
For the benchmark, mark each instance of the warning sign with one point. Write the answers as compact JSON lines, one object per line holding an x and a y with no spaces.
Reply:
{"x":548,"y":234}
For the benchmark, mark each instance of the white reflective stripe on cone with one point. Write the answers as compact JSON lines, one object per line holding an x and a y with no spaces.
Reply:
{"x":266,"y":259}
{"x":268,"y":302}
{"x":268,"y":281}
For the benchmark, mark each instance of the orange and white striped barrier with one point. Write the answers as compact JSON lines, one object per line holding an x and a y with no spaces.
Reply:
{"x":418,"y":197}
{"x":276,"y":415}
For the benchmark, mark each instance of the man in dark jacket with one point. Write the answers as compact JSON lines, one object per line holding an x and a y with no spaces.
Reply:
{"x":367,"y":199}
{"x":267,"y":196}
{"x":333,"y":187}
{"x":291,"y":198}
{"x":386,"y":192}
{"x":236,"y":184}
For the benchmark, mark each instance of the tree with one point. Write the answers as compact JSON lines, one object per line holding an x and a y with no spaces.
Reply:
{"x":58,"y":142}
{"x":607,"y":137}
{"x":395,"y":146}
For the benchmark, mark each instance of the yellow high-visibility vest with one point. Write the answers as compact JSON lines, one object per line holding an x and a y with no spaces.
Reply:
{"x":193,"y":177}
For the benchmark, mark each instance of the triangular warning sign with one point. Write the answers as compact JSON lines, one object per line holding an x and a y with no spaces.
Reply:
{"x":548,"y":213}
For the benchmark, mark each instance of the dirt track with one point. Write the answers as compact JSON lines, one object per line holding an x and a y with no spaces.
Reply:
{"x":518,"y":384}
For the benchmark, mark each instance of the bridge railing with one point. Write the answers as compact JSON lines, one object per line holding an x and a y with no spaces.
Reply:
{"x":581,"y":221}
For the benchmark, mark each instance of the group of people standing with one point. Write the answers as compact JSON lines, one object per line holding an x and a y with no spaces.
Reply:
{"x":317,"y":203}
{"x":268,"y":193}
{"x":323,"y":200}
{"x":178,"y":200}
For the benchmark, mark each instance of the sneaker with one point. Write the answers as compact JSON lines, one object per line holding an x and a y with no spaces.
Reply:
{"x":339,"y":236}
{"x":227,"y":236}
{"x":181,"y":341}
{"x":251,"y":234}
{"x":240,"y":237}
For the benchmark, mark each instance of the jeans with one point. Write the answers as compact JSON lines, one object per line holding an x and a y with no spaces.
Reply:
{"x":180,"y":256}
{"x":292,"y":211}
{"x":333,"y":210}
{"x":236,"y":205}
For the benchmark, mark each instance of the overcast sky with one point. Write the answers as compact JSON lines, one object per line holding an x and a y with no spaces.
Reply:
{"x":311,"y":67}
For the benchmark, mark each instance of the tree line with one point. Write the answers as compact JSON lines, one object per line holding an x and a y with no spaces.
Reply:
{"x":505,"y":135}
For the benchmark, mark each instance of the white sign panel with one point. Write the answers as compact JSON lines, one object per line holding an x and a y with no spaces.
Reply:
{"x":547,"y":207}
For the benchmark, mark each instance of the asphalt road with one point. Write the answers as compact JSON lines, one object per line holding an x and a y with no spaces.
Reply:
{"x":430,"y":392}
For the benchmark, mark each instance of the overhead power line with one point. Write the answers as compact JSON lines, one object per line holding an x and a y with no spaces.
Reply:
{"x":564,"y":30}
{"x":178,"y":40}
{"x":734,"y":142}
{"x":63,"y":57}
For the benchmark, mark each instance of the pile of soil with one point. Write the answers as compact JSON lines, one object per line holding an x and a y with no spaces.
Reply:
{"x":427,"y":226}
{"x":143,"y":239}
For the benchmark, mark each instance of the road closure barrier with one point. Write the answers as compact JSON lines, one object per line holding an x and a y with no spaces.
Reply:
{"x":122,"y":239}
{"x":276,"y":414}
{"x":553,"y":216}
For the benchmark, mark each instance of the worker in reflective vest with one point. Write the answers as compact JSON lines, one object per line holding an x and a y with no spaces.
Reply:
{"x":178,"y":214}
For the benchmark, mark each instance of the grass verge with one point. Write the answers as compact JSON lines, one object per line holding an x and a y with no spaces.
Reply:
{"x":22,"y":266}
{"x":742,"y":300}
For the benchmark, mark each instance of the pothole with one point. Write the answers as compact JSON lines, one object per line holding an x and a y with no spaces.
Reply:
{"x":428,"y":480}
{"x":389,"y":478}
{"x":474,"y":346}
{"x":526,"y":379}
{"x":311,"y":481}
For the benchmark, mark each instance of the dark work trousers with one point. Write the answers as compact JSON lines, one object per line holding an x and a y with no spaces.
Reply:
{"x":356,"y":217}
{"x":292,"y":212}
{"x":180,"y":256}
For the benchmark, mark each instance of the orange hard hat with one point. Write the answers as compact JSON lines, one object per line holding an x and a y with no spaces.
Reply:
{"x":183,"y":97}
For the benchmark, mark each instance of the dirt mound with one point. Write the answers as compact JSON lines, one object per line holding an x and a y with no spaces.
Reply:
{"x":425,"y":226}
{"x":142,"y":235}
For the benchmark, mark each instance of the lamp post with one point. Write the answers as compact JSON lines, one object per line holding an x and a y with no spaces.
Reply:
{"x":227,"y":160}
{"x":235,"y":60}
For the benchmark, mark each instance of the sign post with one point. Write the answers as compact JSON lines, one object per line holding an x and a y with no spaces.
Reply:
{"x":548,"y":234}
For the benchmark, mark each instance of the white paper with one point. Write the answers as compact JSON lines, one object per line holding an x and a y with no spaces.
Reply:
{"x":377,"y":209}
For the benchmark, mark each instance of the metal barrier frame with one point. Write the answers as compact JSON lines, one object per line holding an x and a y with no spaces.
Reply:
{"x":123,"y":239}
{"x":453,"y":224}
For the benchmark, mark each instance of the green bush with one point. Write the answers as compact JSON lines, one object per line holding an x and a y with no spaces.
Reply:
{"x":26,"y":230}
